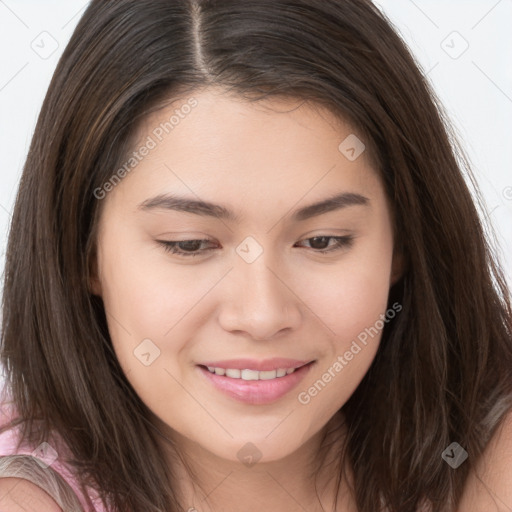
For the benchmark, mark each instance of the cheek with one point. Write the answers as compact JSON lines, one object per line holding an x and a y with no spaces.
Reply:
{"x":352,"y":304}
{"x":350,"y":296}
{"x":138,"y":306}
{"x":143,"y":292}
{"x":351,"y":301}
{"x":147,"y":298}
{"x":146,"y":315}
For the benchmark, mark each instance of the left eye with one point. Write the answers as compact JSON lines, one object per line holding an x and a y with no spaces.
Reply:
{"x":191,"y":248}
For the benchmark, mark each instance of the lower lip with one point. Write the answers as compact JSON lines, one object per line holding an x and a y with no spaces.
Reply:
{"x":257,"y":392}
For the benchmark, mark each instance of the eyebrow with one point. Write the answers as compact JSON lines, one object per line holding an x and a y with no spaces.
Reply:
{"x":204,"y":208}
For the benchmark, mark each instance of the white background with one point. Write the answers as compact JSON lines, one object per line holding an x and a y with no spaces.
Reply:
{"x":474,"y":84}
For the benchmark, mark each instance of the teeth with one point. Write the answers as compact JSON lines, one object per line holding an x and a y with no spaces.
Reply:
{"x":247,"y":374}
{"x":270,"y":374}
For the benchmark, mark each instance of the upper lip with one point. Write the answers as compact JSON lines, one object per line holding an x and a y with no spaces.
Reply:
{"x":258,"y":365}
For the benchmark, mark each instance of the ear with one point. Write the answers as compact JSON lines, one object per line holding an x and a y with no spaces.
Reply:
{"x":398,"y":266}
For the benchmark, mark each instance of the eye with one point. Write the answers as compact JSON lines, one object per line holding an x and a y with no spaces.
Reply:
{"x":192,"y":248}
{"x":185,"y":247}
{"x":340,"y":242}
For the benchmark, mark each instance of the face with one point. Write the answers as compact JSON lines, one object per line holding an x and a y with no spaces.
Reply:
{"x":261,"y":277}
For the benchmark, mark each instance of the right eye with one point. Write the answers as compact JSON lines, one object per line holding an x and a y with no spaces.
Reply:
{"x":187,"y":248}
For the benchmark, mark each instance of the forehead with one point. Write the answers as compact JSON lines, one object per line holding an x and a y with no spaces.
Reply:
{"x":217,"y":145}
{"x":217,"y":115}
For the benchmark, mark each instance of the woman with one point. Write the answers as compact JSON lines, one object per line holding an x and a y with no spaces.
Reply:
{"x":255,"y":274}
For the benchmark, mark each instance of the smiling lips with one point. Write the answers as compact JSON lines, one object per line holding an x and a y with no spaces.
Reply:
{"x":255,"y":382}
{"x":251,"y":369}
{"x":253,"y":364}
{"x":246,"y":374}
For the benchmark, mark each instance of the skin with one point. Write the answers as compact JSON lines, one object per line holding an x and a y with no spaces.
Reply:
{"x":489,"y":483}
{"x":263,"y":161}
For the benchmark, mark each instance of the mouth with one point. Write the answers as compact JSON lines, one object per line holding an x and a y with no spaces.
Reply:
{"x":252,"y":386}
{"x":248,"y":374}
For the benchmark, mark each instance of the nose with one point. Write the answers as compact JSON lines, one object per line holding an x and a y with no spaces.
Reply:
{"x":258,"y":302}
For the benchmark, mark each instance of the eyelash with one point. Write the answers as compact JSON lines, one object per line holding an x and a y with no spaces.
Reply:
{"x":171,"y":246}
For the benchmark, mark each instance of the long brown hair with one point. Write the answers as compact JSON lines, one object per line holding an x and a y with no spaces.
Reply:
{"x":442,"y":370}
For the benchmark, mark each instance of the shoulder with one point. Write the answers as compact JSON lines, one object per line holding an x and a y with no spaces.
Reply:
{"x":489,"y":486}
{"x":20,"y":495}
